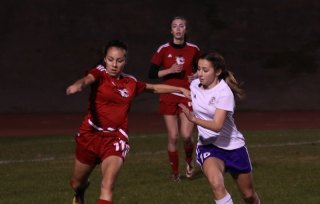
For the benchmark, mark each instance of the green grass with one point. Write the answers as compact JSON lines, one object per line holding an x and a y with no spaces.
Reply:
{"x":37,"y":170}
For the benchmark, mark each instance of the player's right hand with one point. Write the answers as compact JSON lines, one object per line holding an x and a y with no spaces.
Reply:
{"x":176,"y":68}
{"x":73,"y":89}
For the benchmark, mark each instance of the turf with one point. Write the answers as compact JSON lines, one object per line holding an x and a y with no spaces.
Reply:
{"x":37,"y":169}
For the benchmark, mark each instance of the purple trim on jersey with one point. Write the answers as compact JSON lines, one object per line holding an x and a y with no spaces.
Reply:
{"x":236,"y":161}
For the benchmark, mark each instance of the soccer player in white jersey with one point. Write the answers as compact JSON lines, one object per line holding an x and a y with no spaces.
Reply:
{"x":221,"y":147}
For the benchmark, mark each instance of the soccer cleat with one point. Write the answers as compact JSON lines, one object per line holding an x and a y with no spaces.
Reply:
{"x":78,"y":197}
{"x":175,"y":178}
{"x":189,"y":170}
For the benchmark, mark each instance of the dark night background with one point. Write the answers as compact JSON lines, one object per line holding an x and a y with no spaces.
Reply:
{"x":45,"y":45}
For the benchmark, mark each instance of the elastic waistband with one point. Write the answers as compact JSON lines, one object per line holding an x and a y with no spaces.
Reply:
{"x":179,"y":94}
{"x":109,"y":129}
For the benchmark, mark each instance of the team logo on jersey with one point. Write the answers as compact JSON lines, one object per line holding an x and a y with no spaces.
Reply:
{"x":124,"y":92}
{"x":180,"y":60}
{"x":169,"y":55}
{"x":212,"y":101}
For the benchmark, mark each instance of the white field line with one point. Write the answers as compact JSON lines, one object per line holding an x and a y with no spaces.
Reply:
{"x":27,"y":160}
{"x":44,"y":159}
{"x":283,"y":144}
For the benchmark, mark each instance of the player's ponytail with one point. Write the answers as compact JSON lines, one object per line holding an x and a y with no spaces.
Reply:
{"x":234,"y":85}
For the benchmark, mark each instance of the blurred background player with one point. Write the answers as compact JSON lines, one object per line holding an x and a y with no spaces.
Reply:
{"x":221,"y":147}
{"x":103,"y":135}
{"x":175,"y":63}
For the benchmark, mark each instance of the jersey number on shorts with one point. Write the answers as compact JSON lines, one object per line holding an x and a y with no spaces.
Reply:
{"x":121,"y":146}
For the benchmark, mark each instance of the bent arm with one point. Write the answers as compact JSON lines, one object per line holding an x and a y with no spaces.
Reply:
{"x":80,"y":84}
{"x":215,"y":124}
{"x":175,"y":68}
{"x":156,"y":72}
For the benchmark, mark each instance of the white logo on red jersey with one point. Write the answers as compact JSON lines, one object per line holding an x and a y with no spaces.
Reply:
{"x":124,"y":92}
{"x":169,"y":55}
{"x":180,"y":60}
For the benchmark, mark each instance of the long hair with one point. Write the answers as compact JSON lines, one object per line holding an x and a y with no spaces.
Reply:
{"x":218,"y":63}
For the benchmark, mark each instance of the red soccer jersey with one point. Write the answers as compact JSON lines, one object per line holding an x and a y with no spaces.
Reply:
{"x":110,"y":100}
{"x":168,"y":54}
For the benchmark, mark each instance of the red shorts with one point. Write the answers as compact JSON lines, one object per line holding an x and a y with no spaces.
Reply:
{"x":93,"y":147}
{"x":169,"y":104}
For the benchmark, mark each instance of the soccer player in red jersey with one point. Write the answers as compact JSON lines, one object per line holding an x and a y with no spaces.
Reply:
{"x":175,"y":62}
{"x":103,"y":135}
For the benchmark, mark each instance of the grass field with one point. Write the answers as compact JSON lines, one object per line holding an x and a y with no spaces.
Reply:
{"x":37,"y":170}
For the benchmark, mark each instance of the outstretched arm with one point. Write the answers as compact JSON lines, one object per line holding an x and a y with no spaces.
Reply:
{"x":163,"y":88}
{"x":80,"y":84}
{"x":215,"y":124}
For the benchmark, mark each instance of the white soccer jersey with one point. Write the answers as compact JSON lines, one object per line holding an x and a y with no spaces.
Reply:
{"x":204,"y":104}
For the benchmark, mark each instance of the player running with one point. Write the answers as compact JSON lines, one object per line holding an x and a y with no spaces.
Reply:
{"x":221,"y":147}
{"x":103,"y":136}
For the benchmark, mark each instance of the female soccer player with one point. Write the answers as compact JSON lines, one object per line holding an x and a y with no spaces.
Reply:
{"x":103,"y":135}
{"x":175,"y":62}
{"x":221,"y":147}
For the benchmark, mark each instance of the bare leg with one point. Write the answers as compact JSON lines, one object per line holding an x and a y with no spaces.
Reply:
{"x":79,"y":180}
{"x":171,"y":122}
{"x":213,"y":168}
{"x":186,"y":133}
{"x":186,"y":129}
{"x":80,"y":175}
{"x":110,"y":168}
{"x":245,"y":185}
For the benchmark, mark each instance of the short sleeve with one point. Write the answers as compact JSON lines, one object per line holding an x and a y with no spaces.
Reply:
{"x":97,"y":72}
{"x":141,"y":86}
{"x":157,"y":57}
{"x":226,"y":102}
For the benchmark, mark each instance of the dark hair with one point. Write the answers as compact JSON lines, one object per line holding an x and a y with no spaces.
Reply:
{"x":115,"y":43}
{"x":112,"y":43}
{"x":218,"y":63}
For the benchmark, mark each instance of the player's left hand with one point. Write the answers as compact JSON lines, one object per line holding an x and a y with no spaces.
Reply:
{"x":190,"y":115}
{"x":186,"y":93}
{"x":74,"y":88}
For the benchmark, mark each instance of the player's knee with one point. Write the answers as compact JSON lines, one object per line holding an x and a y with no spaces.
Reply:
{"x":188,"y":140}
{"x":173,"y":140}
{"x":217,"y":187}
{"x":77,"y":185}
{"x":74,"y":184}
